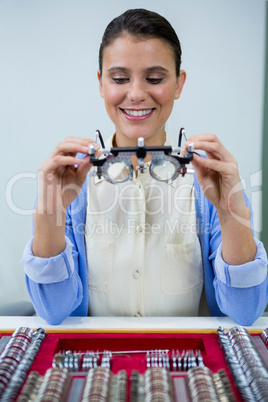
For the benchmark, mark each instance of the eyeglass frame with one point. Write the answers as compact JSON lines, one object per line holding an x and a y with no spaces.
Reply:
{"x":123,"y":155}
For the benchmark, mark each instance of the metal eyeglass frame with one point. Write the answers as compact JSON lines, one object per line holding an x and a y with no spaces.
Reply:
{"x":160,"y":156}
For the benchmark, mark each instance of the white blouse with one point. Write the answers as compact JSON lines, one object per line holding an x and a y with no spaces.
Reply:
{"x":143,"y":251}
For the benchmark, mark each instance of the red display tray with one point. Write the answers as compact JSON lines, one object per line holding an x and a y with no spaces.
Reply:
{"x":127,"y":342}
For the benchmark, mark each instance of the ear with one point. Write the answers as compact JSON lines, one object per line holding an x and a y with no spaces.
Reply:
{"x":180,"y":83}
{"x":100,"y":84}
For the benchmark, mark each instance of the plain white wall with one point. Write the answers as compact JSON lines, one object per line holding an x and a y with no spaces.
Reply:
{"x":49,"y":90}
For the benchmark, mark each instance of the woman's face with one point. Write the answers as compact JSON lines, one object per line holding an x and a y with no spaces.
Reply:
{"x":139,"y":86}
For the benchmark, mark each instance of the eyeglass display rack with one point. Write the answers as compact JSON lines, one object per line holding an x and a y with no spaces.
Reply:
{"x":46,"y":365}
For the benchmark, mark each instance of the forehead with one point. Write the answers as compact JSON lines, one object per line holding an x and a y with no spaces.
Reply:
{"x":138,"y":52}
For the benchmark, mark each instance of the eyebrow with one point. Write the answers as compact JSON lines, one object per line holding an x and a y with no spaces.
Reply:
{"x":157,"y":68}
{"x":127,"y":70}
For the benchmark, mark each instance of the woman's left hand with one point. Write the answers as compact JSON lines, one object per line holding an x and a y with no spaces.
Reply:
{"x":220,"y":183}
{"x":217,"y":174}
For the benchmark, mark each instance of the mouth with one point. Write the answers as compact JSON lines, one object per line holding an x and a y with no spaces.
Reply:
{"x":138,"y":114}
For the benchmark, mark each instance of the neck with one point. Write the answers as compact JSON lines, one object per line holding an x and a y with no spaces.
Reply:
{"x":119,"y":141}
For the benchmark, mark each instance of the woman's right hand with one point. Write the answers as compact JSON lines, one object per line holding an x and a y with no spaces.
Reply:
{"x":60,"y":179}
{"x":62,"y":175}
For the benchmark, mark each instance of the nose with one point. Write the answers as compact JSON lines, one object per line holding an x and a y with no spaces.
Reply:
{"x":137,"y":91}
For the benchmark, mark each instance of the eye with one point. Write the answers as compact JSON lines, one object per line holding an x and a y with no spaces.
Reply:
{"x":120,"y":80}
{"x":154,"y":81}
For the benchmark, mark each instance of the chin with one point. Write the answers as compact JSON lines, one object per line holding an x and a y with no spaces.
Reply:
{"x":135,"y":136}
{"x":135,"y":133}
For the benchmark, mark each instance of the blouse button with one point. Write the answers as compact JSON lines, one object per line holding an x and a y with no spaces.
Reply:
{"x":137,"y":315}
{"x":136,"y":275}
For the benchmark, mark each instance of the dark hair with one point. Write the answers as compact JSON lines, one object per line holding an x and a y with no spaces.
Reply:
{"x":141,"y":23}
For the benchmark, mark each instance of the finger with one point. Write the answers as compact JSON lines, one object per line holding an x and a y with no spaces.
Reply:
{"x":198,"y":139}
{"x":83,"y":169}
{"x":59,"y":161}
{"x":83,"y":141}
{"x":213,"y":149}
{"x":216,"y":165}
{"x":204,"y":137}
{"x":66,"y":147}
{"x":198,"y":166}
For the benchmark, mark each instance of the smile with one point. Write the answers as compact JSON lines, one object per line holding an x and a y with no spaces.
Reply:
{"x":137,"y":113}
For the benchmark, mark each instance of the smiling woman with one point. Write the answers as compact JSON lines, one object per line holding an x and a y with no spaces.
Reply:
{"x":140,"y":271}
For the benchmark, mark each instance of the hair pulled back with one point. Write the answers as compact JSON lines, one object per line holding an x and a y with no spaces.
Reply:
{"x":141,"y":23}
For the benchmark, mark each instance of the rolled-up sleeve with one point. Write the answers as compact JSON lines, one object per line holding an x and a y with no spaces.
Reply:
{"x":48,"y":270}
{"x":250,"y":274}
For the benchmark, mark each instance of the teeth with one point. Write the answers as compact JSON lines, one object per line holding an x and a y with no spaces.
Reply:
{"x":138,"y":113}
